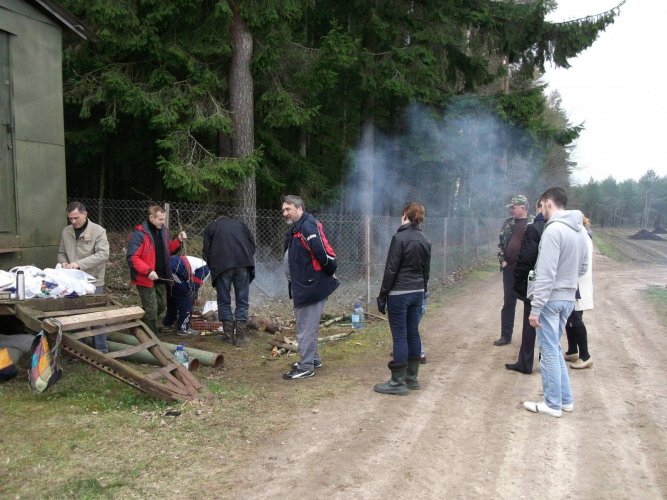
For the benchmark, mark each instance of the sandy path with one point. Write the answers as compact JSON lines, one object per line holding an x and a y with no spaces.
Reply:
{"x":465,"y":434}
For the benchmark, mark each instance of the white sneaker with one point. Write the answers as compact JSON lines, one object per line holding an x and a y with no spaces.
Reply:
{"x":541,"y":407}
{"x":568,"y":407}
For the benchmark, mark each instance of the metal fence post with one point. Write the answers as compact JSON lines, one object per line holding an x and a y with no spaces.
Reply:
{"x":166,"y":212}
{"x":465,"y":247}
{"x":476,"y":240}
{"x":444,"y":252}
{"x":367,"y":243}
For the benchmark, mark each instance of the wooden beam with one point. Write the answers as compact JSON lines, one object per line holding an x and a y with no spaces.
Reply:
{"x":132,"y":349}
{"x":104,"y":329}
{"x":70,"y":312}
{"x":29,"y":316}
{"x":80,"y":321}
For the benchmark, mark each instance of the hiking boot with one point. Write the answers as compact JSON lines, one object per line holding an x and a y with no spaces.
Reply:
{"x":228,"y":332}
{"x":297,"y":373}
{"x":240,"y":338}
{"x":502,"y":341}
{"x":396,"y":384}
{"x":413,"y":370}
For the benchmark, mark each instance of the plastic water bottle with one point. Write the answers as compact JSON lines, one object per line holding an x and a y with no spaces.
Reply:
{"x":182,"y":356}
{"x":358,"y":316}
{"x":20,"y":285}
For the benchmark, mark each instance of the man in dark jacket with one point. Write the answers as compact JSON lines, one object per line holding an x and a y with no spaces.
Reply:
{"x":524,"y":264}
{"x":511,"y":235}
{"x":148,"y":252}
{"x":229,"y":247}
{"x":309,"y":266}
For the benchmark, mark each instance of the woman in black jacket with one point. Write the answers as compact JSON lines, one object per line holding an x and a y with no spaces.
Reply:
{"x":402,"y":293}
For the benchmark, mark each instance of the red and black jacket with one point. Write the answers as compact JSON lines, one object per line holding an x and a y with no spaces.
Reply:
{"x":141,"y":254}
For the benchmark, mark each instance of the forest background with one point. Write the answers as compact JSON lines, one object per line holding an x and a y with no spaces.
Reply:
{"x":357,"y":106}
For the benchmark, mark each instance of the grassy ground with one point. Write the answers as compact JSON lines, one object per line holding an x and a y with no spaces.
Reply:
{"x":658,"y":296}
{"x":90,"y":436}
{"x":605,"y":243}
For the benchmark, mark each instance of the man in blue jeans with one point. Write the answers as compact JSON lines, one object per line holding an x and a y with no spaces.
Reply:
{"x":562,"y":258}
{"x":229,"y":247}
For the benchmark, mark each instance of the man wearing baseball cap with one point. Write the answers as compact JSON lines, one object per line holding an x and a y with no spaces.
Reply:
{"x":511,"y":236}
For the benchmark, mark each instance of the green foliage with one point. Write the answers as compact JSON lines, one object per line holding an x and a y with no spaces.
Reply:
{"x":320,"y":69}
{"x":638,"y":203}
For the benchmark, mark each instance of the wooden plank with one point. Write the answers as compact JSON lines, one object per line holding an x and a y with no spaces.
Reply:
{"x":118,"y":370}
{"x":158,"y":373}
{"x":69,"y":303}
{"x":164,"y":357}
{"x":80,"y":321}
{"x":70,"y":312}
{"x":103,"y":329}
{"x":7,"y":309}
{"x":132,"y":349}
{"x":29,"y":316}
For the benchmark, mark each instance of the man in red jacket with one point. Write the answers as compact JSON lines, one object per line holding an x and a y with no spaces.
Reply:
{"x":148,"y":252}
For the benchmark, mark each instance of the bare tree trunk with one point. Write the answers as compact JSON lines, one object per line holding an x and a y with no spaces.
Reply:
{"x":242,"y":104}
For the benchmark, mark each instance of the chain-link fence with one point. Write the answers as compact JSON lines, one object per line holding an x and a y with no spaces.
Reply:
{"x":360,"y":242}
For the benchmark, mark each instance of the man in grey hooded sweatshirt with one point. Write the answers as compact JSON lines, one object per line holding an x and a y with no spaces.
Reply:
{"x":562,"y":258}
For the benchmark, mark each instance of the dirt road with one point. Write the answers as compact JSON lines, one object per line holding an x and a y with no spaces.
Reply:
{"x":465,"y":434}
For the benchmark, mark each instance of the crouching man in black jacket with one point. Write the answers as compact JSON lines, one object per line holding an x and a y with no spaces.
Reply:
{"x":310,"y":265}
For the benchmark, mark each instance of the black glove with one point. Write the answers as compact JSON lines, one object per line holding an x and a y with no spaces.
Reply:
{"x":382,"y":304}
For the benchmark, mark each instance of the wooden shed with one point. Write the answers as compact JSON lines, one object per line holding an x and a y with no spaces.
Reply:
{"x":32,"y":138}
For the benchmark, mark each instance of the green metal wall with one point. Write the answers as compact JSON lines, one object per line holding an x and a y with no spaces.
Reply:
{"x":35,"y":48}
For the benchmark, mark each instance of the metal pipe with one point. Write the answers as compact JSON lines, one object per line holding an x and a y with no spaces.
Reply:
{"x":206,"y":358}
{"x":145,"y":356}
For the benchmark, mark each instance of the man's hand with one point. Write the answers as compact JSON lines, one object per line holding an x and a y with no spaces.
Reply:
{"x":153,"y":276}
{"x":534,"y":321}
{"x":382,"y":304}
{"x":503,"y":263}
{"x":71,"y":265}
{"x":182,"y":236}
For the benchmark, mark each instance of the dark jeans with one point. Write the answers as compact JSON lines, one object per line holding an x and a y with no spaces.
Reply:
{"x":238,"y":277}
{"x":527,"y":349}
{"x":154,"y":302}
{"x":99,"y":342}
{"x":404,"y":312}
{"x":577,"y":335}
{"x":509,"y":303}
{"x":179,"y":306}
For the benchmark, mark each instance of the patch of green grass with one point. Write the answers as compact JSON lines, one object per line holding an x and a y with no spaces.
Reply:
{"x":604,"y":242}
{"x":658,"y":296}
{"x":88,"y":488}
{"x":91,"y":436}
